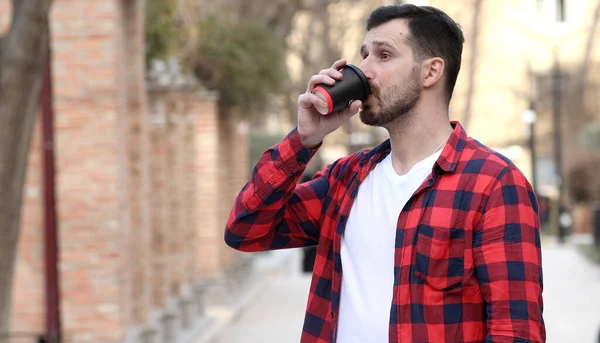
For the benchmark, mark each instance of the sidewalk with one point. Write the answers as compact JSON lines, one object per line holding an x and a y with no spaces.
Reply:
{"x":271,"y":311}
{"x":571,"y":302}
{"x":571,"y":295}
{"x":276,"y":315}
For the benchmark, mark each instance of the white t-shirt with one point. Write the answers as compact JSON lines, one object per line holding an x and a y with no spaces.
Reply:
{"x":368,"y":251}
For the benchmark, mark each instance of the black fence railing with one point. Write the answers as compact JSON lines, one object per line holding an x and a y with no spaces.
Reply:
{"x":596,"y":227}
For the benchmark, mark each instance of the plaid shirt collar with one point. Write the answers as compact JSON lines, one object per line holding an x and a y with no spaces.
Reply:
{"x":447,"y":161}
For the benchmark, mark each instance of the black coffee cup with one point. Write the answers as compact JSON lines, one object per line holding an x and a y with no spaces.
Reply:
{"x":353,"y":86}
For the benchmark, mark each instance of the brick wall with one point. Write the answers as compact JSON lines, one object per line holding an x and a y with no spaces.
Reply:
{"x":88,"y":46}
{"x":233,"y":144}
{"x":141,"y":204}
{"x":207,"y":168}
{"x":222,"y":155}
{"x":87,"y":53}
{"x":193,"y":186}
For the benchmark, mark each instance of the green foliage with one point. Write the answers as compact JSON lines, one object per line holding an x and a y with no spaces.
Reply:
{"x":243,"y":61}
{"x":590,"y":136}
{"x":259,"y":143}
{"x":163,"y":35}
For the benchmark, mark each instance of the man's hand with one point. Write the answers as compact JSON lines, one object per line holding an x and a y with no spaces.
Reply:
{"x":312,"y":125}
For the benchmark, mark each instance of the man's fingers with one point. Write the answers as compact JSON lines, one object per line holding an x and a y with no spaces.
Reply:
{"x":308,"y":100}
{"x":327,"y":76}
{"x":338,"y":64}
{"x":317,"y":79}
{"x":335,"y":74}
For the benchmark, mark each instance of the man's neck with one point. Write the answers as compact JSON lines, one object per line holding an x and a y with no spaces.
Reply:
{"x":417,"y":136}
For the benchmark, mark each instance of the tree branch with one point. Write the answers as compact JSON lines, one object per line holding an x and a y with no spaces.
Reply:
{"x":29,"y":28}
{"x":16,"y":6}
{"x":23,"y":54}
{"x":2,"y":42}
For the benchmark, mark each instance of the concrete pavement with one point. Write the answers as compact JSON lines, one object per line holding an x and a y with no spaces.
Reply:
{"x":571,"y":295}
{"x":274,"y":303}
{"x":276,"y":316}
{"x":275,"y":312}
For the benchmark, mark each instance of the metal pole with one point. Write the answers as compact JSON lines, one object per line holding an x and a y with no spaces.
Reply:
{"x":556,"y":106}
{"x":50,"y":230}
{"x":532,"y":149}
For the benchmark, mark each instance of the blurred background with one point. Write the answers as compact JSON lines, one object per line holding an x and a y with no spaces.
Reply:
{"x":131,"y":144}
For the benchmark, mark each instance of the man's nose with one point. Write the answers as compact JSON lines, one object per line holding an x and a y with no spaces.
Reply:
{"x":366,"y":69}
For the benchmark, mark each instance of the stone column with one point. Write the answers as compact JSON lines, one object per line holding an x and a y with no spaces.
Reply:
{"x":209,"y":227}
{"x":137,"y":147}
{"x":158,"y":199}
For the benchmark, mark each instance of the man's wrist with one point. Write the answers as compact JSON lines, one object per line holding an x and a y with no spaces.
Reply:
{"x":310,"y":142}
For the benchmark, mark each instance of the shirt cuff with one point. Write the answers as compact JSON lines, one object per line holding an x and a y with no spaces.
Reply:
{"x":293,"y":153}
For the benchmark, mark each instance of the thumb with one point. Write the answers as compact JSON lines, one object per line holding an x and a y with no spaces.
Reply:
{"x":355,"y":106}
{"x":351,"y":111}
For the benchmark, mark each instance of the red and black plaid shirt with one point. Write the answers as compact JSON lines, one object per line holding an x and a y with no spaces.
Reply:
{"x":468,"y":257}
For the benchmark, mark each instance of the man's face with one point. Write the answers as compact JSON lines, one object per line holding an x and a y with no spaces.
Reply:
{"x":394,"y":76}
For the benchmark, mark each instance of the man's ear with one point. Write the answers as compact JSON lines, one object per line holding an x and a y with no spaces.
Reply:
{"x":433,"y":71}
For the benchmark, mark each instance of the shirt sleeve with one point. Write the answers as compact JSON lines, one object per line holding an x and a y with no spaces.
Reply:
{"x":273,"y":211}
{"x":508,"y":261}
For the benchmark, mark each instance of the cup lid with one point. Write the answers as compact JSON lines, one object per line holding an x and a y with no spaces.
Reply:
{"x":363,"y":79}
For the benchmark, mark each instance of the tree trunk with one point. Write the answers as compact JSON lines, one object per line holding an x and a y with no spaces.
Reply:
{"x":23,"y":54}
{"x":472,"y":64}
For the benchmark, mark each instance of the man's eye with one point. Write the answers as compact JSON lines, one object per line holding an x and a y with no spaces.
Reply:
{"x":385,"y":56}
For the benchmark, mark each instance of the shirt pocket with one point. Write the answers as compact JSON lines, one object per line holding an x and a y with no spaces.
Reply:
{"x":439,"y":257}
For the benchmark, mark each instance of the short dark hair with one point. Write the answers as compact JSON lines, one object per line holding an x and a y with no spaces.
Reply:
{"x":432,"y":34}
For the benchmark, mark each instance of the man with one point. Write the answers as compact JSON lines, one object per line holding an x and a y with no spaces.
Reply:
{"x":429,"y":237}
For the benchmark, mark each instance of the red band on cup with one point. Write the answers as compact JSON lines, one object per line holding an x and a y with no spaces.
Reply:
{"x":326,"y":96}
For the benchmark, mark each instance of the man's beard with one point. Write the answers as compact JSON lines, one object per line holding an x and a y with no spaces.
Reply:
{"x":392,"y":102}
